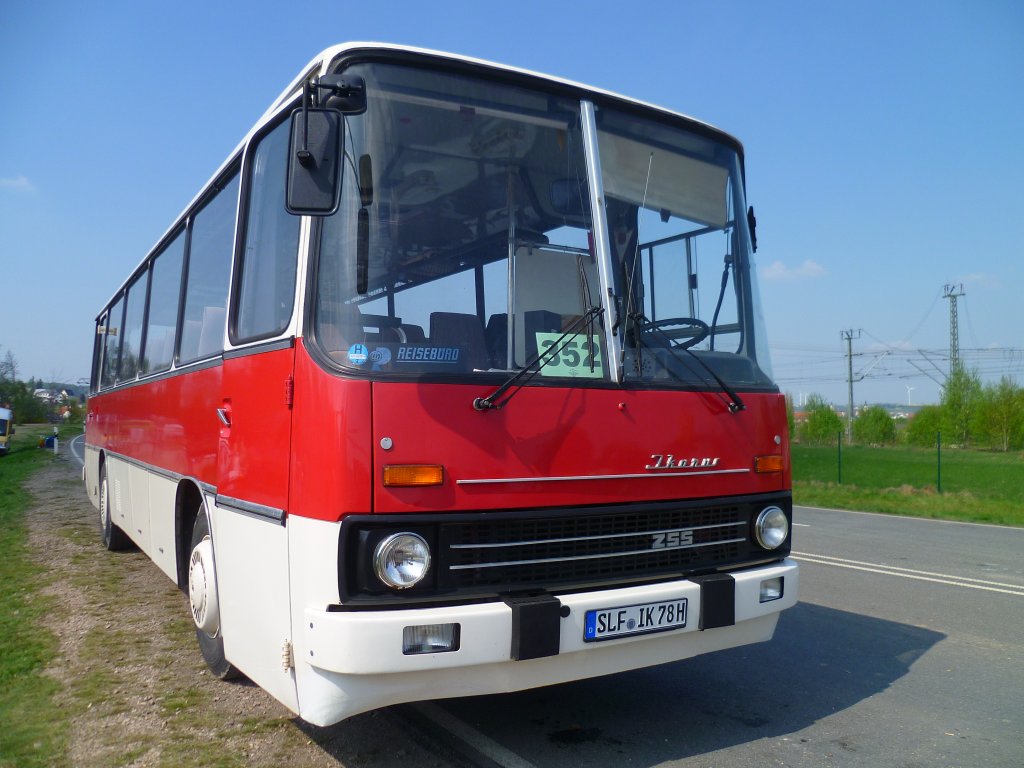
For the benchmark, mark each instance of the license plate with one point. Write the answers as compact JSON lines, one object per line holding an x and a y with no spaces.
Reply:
{"x":606,"y":623}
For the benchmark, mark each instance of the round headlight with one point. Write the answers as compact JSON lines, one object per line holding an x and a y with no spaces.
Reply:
{"x":771,"y":528}
{"x":401,"y":560}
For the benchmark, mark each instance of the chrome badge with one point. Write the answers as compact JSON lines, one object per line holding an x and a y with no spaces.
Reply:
{"x":668,"y":461}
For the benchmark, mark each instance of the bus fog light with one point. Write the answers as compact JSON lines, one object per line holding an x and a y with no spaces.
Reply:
{"x":771,"y":589}
{"x":430,"y":638}
{"x":771,"y":528}
{"x":401,"y":560}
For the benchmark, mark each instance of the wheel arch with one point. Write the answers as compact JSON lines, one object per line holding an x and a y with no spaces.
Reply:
{"x":187,"y":502}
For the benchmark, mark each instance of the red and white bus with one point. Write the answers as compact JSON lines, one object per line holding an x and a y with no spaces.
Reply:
{"x":452,"y":380}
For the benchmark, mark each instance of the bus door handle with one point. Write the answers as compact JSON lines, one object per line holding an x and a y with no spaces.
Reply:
{"x":224,"y":414}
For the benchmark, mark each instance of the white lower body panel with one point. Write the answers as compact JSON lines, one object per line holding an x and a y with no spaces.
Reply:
{"x":352,"y":662}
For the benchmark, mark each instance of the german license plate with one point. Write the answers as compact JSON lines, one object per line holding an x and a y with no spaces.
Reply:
{"x":606,"y":623}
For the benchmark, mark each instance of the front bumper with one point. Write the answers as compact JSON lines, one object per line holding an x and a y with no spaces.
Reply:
{"x":363,"y":649}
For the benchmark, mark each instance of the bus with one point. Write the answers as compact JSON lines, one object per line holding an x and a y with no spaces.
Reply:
{"x":452,"y":380}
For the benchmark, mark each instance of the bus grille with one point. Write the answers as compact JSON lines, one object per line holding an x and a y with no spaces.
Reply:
{"x":513,"y":554}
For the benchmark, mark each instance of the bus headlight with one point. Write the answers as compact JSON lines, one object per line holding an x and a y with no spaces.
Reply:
{"x":401,"y":560}
{"x":771,"y":528}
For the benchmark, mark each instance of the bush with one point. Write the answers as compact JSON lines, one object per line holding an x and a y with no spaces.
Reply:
{"x":823,"y":424}
{"x":874,"y":426}
{"x":924,"y":426}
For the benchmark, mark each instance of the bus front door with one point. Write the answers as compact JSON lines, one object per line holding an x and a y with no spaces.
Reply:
{"x":249,"y":519}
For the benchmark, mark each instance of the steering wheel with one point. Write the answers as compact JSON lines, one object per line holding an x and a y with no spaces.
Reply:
{"x":695,"y":327}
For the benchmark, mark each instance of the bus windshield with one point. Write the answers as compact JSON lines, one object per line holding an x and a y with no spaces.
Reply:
{"x":678,"y":232}
{"x":468,"y":265}
{"x":464,"y":243}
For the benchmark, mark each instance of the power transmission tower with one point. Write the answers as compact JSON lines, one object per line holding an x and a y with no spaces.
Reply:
{"x":849,"y":337}
{"x":953,"y":292}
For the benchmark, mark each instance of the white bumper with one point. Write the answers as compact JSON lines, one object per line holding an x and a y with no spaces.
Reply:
{"x":352,"y":662}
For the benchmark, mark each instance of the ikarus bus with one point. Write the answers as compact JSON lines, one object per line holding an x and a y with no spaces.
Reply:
{"x":452,"y":380}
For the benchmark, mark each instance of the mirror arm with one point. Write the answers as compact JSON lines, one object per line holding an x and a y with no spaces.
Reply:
{"x":304,"y":156}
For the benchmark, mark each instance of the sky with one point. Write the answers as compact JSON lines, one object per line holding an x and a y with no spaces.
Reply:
{"x":884,"y":152}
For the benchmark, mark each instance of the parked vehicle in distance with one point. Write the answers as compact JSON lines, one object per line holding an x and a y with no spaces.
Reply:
{"x":6,"y":430}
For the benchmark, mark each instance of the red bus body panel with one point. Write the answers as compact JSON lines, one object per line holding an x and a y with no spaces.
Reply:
{"x":331,"y":458}
{"x":254,"y":451}
{"x":548,"y":432}
{"x":544,"y":432}
{"x":169,"y":423}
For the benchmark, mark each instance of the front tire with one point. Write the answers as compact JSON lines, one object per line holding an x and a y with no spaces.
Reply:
{"x":114,"y":539}
{"x":204,"y":600}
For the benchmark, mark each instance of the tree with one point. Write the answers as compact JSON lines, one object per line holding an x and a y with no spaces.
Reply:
{"x":874,"y":426}
{"x":924,"y":426}
{"x":9,"y":367}
{"x":823,"y":424}
{"x":790,"y":418}
{"x":1000,"y":414}
{"x":960,"y":398}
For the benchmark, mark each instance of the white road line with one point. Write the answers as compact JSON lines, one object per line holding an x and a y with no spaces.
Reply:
{"x":912,"y":519}
{"x":463,"y":730}
{"x":71,"y":447}
{"x":908,"y":573}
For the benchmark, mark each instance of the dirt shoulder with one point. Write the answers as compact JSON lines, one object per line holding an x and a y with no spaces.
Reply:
{"x":133,"y":685}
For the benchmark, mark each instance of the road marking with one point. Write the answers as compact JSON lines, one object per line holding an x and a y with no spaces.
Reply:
{"x":908,"y":573}
{"x":485,"y":745}
{"x":911,"y":519}
{"x":801,"y":525}
{"x":71,"y":448}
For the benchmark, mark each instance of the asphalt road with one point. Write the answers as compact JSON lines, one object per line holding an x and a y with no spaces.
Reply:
{"x":907,"y":649}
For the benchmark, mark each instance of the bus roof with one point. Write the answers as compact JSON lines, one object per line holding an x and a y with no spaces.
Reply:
{"x":329,"y":55}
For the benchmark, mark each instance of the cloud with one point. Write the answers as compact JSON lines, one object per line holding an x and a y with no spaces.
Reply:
{"x":778,"y":271}
{"x":17,"y":183}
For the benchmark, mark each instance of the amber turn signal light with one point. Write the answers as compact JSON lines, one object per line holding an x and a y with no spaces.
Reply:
{"x":766,"y":464}
{"x":413,"y":475}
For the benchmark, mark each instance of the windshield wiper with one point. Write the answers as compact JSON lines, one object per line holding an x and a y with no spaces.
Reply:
{"x":494,"y":401}
{"x":733,"y":402}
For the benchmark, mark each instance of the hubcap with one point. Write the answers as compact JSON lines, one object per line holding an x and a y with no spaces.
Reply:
{"x":104,"y":511}
{"x":202,"y":588}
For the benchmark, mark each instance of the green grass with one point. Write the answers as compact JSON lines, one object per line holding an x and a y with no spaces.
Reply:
{"x":33,"y":731}
{"x":977,"y":486}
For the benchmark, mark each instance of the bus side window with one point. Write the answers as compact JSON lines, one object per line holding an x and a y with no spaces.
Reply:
{"x":163,"y":306}
{"x":112,"y":345}
{"x":267,"y":263}
{"x":209,"y":267}
{"x":97,"y":352}
{"x":132,"y":345}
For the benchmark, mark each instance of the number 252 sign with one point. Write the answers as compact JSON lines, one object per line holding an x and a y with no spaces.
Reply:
{"x":574,"y":357}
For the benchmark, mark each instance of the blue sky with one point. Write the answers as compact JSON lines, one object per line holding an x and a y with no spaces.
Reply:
{"x":885,"y":151}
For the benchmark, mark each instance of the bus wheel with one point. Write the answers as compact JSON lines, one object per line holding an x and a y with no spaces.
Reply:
{"x":114,"y":539}
{"x":203,"y":600}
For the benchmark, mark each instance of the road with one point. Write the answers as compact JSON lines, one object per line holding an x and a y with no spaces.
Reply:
{"x":907,"y":649}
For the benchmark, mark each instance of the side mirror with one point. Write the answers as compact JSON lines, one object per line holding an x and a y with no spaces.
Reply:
{"x":314,"y":162}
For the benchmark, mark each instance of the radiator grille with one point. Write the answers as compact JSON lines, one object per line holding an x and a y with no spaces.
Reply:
{"x":517,"y":554}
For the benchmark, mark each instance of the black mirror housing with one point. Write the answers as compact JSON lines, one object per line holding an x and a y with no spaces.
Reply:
{"x":314,"y":162}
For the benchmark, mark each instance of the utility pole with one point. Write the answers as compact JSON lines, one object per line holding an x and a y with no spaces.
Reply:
{"x":849,"y":337}
{"x":953,"y":292}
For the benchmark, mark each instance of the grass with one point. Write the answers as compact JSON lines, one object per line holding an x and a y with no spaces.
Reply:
{"x":33,"y":731}
{"x":977,"y":486}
